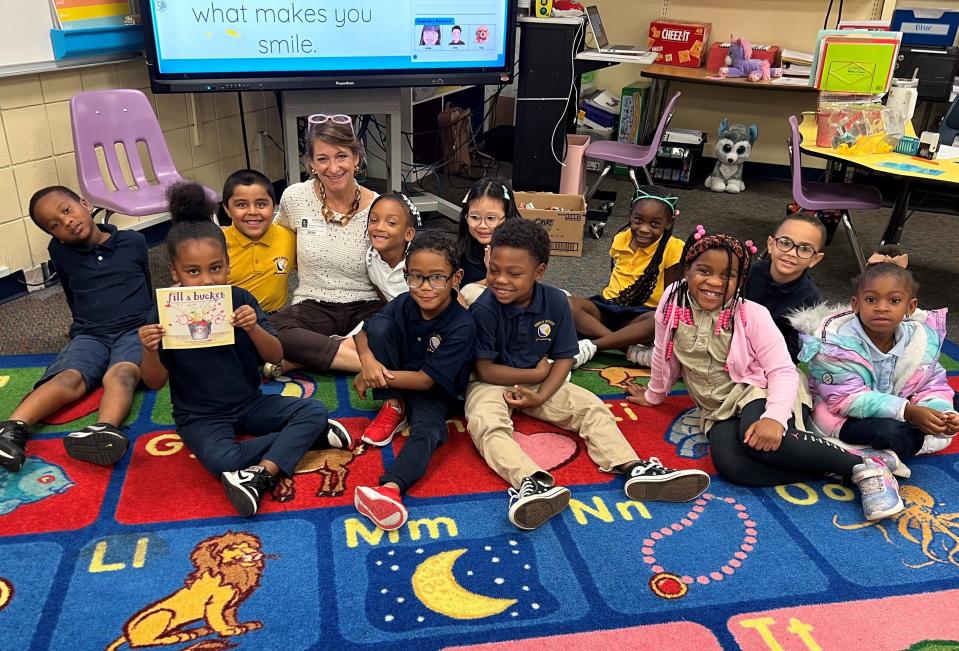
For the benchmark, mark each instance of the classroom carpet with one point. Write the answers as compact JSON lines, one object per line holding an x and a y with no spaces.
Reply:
{"x":149,"y":554}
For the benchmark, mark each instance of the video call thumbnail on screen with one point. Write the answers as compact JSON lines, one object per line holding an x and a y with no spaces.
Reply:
{"x":218,"y":36}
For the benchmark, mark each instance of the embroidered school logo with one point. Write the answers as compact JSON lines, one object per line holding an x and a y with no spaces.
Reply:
{"x":282,"y":263}
{"x":827,"y":378}
{"x":544,"y":329}
{"x":435,"y":342}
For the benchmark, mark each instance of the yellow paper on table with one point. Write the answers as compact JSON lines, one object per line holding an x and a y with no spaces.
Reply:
{"x":196,"y":317}
{"x":854,"y":65}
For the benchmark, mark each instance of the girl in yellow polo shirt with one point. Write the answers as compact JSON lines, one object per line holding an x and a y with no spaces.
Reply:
{"x":645,"y":260}
{"x":262,"y":253}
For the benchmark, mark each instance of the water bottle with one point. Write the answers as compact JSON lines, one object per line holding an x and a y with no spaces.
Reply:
{"x":902,"y":101}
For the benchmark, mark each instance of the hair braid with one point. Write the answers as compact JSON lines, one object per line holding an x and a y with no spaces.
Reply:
{"x":644,"y":286}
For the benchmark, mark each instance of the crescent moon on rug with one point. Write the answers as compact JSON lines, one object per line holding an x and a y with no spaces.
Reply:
{"x":435,"y":585}
{"x":6,"y":593}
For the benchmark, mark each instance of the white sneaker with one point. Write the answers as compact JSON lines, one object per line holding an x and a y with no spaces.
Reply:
{"x":587,"y":349}
{"x":640,"y":355}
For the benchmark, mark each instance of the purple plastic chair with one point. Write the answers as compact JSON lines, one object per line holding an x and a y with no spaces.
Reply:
{"x":102,"y":119}
{"x":831,"y":196}
{"x":628,"y":154}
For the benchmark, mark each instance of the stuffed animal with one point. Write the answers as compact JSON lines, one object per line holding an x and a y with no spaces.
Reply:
{"x":739,"y":63}
{"x":733,"y":147}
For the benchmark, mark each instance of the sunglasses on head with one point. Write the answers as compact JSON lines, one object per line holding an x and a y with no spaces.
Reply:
{"x":338,"y":118}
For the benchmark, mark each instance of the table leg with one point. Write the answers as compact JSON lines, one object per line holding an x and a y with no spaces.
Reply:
{"x":897,"y":220}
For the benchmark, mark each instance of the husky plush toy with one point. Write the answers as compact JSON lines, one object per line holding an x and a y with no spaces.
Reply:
{"x":732,"y":149}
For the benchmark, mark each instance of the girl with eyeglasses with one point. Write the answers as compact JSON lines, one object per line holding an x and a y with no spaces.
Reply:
{"x":780,"y":282}
{"x":416,"y":356}
{"x":328,"y":212}
{"x":486,"y":206}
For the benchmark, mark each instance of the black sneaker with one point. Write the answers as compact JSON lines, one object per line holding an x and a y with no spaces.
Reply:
{"x":102,"y":444}
{"x":337,"y":436}
{"x":535,"y":503}
{"x":651,"y":481}
{"x":246,"y":488}
{"x":13,"y":442}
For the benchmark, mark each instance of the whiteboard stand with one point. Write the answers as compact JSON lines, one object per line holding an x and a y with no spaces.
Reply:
{"x":388,"y":102}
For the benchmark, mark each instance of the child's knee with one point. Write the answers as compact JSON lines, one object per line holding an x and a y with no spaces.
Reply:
{"x":378,"y":329}
{"x":70,"y":381}
{"x":125,"y":374}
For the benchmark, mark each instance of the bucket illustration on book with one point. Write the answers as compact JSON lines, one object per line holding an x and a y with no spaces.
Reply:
{"x":199,"y":330}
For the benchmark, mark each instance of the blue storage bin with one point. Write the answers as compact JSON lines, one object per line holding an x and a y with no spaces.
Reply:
{"x":935,"y":27}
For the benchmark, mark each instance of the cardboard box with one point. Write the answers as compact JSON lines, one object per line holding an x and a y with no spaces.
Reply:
{"x":718,"y":51}
{"x":565,"y":225}
{"x":679,"y":43}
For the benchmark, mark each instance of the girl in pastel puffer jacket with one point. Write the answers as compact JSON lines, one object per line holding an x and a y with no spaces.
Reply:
{"x":874,"y":370}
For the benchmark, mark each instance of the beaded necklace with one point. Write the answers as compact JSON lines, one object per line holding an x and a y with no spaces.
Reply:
{"x":330,"y":216}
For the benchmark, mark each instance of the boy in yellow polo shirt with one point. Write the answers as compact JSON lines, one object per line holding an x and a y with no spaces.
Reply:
{"x":645,"y":260}
{"x":262,"y":254}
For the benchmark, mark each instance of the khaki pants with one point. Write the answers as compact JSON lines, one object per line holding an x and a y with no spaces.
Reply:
{"x":571,"y":407}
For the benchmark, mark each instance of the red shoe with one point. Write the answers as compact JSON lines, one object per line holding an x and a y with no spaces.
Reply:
{"x":385,"y":426}
{"x":382,"y":505}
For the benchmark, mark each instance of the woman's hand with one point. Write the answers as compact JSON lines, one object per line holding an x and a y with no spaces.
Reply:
{"x":637,"y":394}
{"x":765,"y":435}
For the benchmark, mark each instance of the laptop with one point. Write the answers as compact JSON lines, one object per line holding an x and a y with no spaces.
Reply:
{"x":599,"y":33}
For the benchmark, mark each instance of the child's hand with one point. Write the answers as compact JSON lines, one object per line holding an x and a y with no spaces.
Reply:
{"x":374,"y":374}
{"x":522,"y":398}
{"x":765,"y":435}
{"x":637,"y":394}
{"x":544,"y":367}
{"x":244,"y":317}
{"x":927,"y":419}
{"x":486,"y":252}
{"x":361,"y":386}
{"x":150,"y":336}
{"x":952,"y":422}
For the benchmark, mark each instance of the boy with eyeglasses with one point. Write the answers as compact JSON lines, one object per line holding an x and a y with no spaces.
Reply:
{"x":416,"y":355}
{"x":780,"y":282}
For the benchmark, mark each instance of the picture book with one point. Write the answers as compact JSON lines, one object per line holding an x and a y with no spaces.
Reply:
{"x":196,"y":317}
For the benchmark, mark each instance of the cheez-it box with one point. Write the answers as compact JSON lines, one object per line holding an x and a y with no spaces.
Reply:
{"x":679,"y":43}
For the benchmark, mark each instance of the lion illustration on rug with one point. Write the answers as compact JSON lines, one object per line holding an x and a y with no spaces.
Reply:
{"x":227,"y":570}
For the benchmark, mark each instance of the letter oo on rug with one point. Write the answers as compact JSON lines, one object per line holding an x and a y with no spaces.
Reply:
{"x":227,"y":570}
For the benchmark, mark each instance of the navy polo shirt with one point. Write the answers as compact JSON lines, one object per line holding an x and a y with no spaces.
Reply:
{"x":474,"y":269}
{"x":782,"y":300}
{"x":442,"y":347}
{"x":521,"y":337}
{"x":215,"y":381}
{"x":107,"y":285}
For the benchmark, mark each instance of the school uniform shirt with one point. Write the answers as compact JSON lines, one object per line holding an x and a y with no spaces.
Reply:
{"x":389,"y":280}
{"x":331,"y":258}
{"x":629,"y":265}
{"x":782,"y":300}
{"x":442,"y":347}
{"x":520,"y":337}
{"x":472,"y":264}
{"x":218,"y":380}
{"x":262,"y":267}
{"x":107,"y":286}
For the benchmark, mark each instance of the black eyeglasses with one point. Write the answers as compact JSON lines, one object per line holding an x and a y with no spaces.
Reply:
{"x":785,"y":245}
{"x":437,"y":281}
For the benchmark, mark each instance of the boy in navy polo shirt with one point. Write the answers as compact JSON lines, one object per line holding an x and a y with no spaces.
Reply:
{"x":105,"y":274}
{"x":781,"y":283}
{"x":522,"y":324}
{"x":416,"y":355}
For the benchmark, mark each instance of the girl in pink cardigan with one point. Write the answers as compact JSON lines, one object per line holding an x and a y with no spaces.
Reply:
{"x":737,"y":370}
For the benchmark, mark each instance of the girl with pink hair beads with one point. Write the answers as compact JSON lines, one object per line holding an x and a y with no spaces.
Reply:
{"x":753,"y":406}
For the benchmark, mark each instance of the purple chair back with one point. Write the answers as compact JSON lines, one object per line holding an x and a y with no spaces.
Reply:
{"x":663,"y":123}
{"x":795,"y":161}
{"x":104,"y":118}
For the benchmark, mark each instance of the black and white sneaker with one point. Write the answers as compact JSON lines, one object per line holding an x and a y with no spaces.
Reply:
{"x":246,"y":488}
{"x":651,"y":481}
{"x":13,"y":443}
{"x":337,"y":436}
{"x":536,"y":502}
{"x":102,"y":444}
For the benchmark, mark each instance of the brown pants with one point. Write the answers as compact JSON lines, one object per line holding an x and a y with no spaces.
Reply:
{"x":305,"y":329}
{"x":571,"y":407}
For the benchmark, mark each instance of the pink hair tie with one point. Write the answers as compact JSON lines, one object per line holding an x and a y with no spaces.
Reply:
{"x":700,"y":231}
{"x":676,"y":212}
{"x":751,"y":247}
